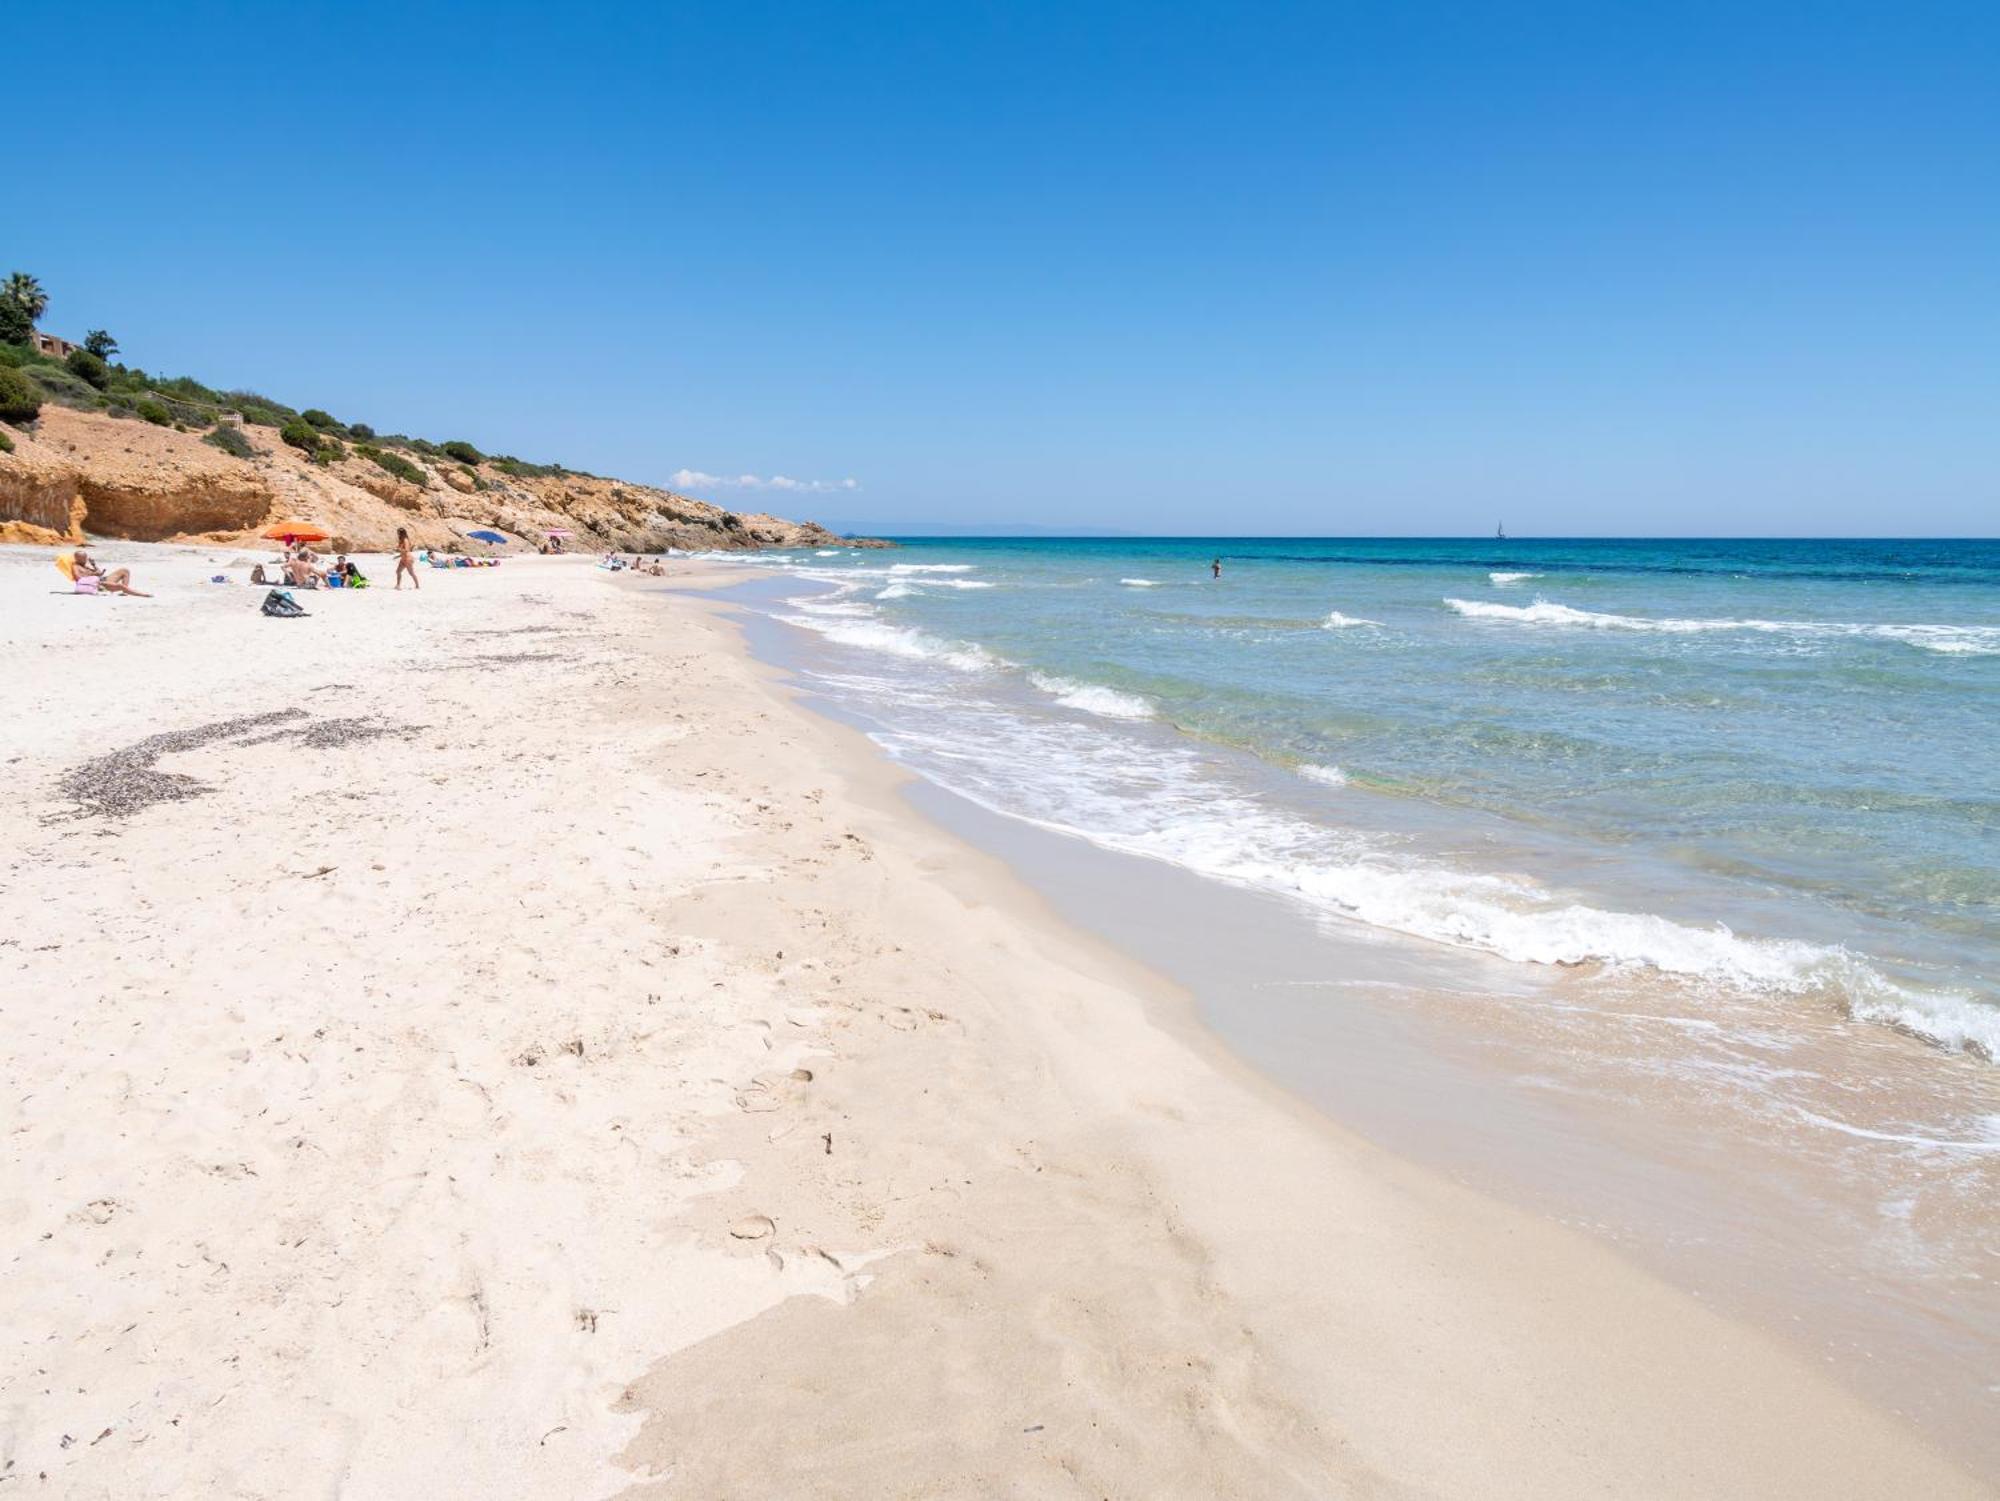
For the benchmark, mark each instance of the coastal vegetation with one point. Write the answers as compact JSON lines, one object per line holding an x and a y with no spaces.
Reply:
{"x":91,"y":378}
{"x":20,"y":398}
{"x":231,"y":441}
{"x":88,"y":368}
{"x":395,"y":464}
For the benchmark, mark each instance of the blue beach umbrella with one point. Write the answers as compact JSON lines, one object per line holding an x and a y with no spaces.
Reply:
{"x":486,"y":536}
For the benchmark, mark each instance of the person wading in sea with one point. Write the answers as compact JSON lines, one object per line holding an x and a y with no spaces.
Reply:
{"x":1216,"y":568}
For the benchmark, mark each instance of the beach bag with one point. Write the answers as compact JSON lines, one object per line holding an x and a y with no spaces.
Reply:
{"x":280,"y":604}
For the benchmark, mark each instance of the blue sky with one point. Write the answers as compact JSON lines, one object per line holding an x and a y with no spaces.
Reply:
{"x":1397,"y":269}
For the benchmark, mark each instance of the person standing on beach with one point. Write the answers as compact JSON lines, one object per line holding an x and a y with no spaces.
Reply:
{"x":1215,"y":568}
{"x":406,"y":559}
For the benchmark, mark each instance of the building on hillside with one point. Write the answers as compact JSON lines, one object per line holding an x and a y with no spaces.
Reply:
{"x":54,"y":348}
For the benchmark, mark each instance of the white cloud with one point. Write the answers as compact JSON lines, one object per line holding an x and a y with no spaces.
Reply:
{"x":695,"y":479}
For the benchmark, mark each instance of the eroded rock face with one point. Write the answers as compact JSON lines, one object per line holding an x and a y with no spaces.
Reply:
{"x":38,"y":496}
{"x":116,"y":477}
{"x":154,"y":511}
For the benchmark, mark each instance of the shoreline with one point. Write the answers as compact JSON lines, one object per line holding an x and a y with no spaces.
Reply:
{"x":642,"y":1068}
{"x":1863,"y":1248}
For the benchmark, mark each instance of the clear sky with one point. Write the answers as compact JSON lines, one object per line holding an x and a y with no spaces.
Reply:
{"x":1234,"y":267}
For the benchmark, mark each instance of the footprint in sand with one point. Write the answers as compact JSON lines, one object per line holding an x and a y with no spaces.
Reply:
{"x":753,"y":1227}
{"x":768,"y":1092}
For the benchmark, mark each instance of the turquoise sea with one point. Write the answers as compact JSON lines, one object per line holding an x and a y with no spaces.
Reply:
{"x":1766,"y":768}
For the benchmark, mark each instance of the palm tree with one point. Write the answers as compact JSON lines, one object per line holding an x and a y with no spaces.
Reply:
{"x":101,"y":344}
{"x":26,"y":293}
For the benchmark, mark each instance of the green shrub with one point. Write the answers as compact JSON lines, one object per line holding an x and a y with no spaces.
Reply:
{"x":300,"y":434}
{"x":154,"y":413}
{"x":419,"y":445}
{"x":522,"y":469}
{"x":361,"y":431}
{"x":59,"y":383}
{"x":88,"y":368}
{"x":397,"y":465}
{"x":243,"y":399}
{"x":231,"y":441}
{"x":262,"y":417}
{"x":461,"y":450}
{"x":193,"y":413}
{"x":324,"y":421}
{"x":6,"y":444}
{"x":330,"y":451}
{"x":189,"y":389}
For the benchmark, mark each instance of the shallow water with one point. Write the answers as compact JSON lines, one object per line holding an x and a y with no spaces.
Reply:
{"x":1558,"y":752}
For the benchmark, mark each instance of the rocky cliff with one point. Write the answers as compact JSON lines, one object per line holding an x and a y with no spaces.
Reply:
{"x":79,"y":472}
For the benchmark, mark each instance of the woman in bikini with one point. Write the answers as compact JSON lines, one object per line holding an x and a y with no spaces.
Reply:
{"x":406,"y":559}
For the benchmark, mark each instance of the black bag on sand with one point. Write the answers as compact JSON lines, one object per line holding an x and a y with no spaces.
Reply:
{"x":280,"y":603}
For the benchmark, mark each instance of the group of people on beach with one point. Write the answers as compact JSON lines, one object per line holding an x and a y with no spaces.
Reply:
{"x":635,"y":564}
{"x":303,"y":568}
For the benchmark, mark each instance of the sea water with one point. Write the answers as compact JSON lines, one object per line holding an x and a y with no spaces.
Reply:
{"x":1766,"y":768}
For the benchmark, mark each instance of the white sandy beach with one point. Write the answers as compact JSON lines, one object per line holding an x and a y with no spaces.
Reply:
{"x":548,"y":1062}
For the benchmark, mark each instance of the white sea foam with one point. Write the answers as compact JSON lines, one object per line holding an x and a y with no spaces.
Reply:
{"x":827,"y":552}
{"x":932,"y":567}
{"x":1901,"y":1138}
{"x":1140,"y":583}
{"x":1329,"y":776}
{"x":879,"y":635}
{"x":1093,"y":698}
{"x":1162,"y":803}
{"x":1511,"y":578}
{"x":896,"y":591}
{"x":1960,"y":640}
{"x":1339,"y":622}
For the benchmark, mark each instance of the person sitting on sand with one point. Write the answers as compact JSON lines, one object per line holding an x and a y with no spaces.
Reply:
{"x":303,"y":575}
{"x":351,"y":576}
{"x":117,"y":581}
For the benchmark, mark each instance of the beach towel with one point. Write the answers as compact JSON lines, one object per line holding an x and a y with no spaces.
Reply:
{"x":67,"y":563}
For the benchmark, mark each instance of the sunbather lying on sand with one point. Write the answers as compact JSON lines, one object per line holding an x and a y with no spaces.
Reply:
{"x":117,"y":581}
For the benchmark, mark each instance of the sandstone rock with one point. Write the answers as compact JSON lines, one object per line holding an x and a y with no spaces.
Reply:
{"x":88,"y":471}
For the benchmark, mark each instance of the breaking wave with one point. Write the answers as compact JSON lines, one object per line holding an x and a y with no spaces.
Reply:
{"x":1093,"y":698}
{"x":1957,"y":640}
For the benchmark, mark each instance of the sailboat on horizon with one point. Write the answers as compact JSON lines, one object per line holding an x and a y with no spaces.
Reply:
{"x":1500,"y":532}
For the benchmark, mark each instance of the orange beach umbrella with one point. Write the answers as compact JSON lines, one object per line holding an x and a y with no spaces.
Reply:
{"x":295,"y":531}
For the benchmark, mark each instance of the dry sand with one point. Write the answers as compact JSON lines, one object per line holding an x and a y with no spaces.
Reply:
{"x":499,"y":1046}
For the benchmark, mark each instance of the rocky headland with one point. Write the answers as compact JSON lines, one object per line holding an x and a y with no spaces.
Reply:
{"x":73,"y":472}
